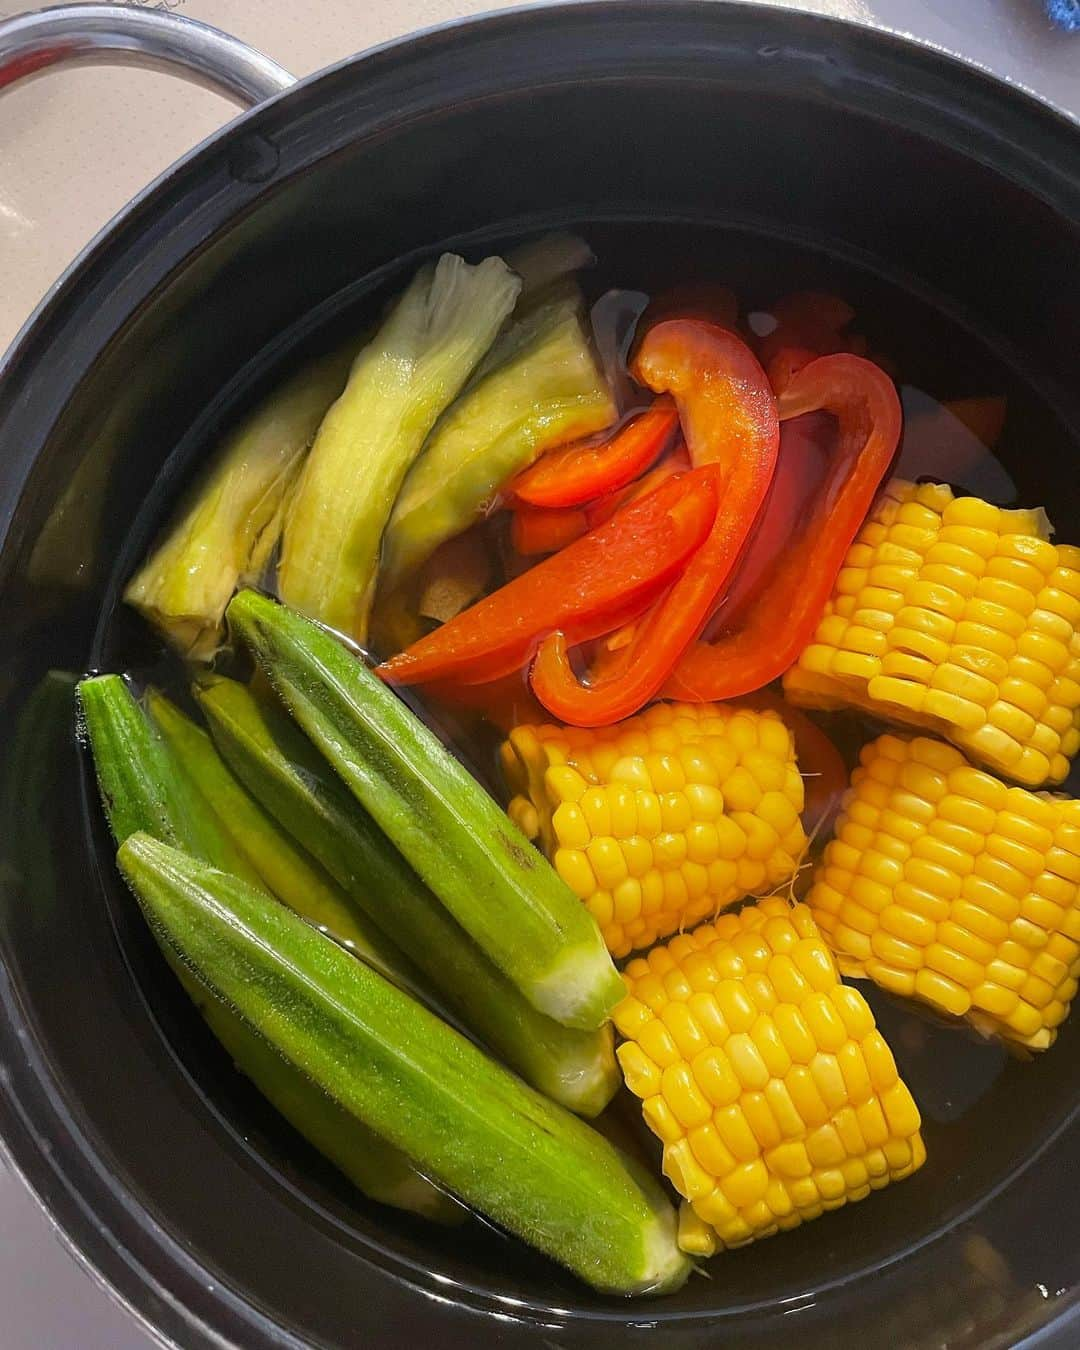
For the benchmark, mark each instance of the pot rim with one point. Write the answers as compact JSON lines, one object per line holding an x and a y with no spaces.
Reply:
{"x":95,"y":1213}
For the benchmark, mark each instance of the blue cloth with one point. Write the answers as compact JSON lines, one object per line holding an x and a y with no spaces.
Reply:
{"x":1065,"y":13}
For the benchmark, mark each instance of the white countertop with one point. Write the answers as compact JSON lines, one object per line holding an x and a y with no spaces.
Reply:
{"x":76,"y":145}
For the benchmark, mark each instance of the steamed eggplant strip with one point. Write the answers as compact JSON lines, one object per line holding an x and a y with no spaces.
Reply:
{"x":401,"y":382}
{"x":231,"y":523}
{"x":543,"y":390}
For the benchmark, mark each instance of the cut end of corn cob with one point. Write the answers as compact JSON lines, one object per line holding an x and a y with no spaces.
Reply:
{"x":957,"y":616}
{"x":774,"y":1094}
{"x":662,"y":820}
{"x":945,"y":885}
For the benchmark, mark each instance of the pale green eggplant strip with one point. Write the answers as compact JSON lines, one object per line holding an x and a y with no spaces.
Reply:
{"x":280,"y":767}
{"x":547,"y":390}
{"x":411,"y":370}
{"x":287,"y":872}
{"x":538,"y":386}
{"x":546,"y":260}
{"x":143,"y":789}
{"x":462,"y":1119}
{"x":487,"y":874}
{"x":231,"y":521}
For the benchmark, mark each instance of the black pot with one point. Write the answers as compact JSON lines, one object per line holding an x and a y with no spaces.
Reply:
{"x":713,"y":132}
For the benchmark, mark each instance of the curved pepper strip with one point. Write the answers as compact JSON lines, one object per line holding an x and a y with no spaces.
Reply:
{"x":774,"y":622}
{"x":576,"y":474}
{"x":812,"y":320}
{"x":729,"y":418}
{"x":535,"y":530}
{"x":676,"y":461}
{"x":539,"y":529}
{"x":588,"y":588}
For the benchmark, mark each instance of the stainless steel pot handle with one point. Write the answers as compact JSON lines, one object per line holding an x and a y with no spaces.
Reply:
{"x":131,"y":35}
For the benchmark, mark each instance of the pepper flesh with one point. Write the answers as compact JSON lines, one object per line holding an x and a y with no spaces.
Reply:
{"x":587,"y":589}
{"x":538,"y":529}
{"x":578,"y":473}
{"x":729,"y":418}
{"x":809,"y":320}
{"x":676,"y":461}
{"x":773,"y":621}
{"x":534,"y":529}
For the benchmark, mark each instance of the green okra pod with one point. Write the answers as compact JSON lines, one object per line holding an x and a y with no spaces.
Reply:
{"x":284,"y":772}
{"x":487,"y":874}
{"x":461,"y":1118}
{"x":286,"y":870}
{"x":144,"y":789}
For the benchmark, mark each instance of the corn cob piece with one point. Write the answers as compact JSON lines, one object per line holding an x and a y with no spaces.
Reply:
{"x":959,"y":617}
{"x":945,"y":885}
{"x":774,"y":1094}
{"x":661,"y":820}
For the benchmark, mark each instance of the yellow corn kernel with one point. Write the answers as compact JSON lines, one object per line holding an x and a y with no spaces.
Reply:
{"x":573,"y":866}
{"x":962,"y":628}
{"x":641,"y":1074}
{"x":664,"y":819}
{"x":983,"y":912}
{"x":661,"y":1119}
{"x":782,"y":1100}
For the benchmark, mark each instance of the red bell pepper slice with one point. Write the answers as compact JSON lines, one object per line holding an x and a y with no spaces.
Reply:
{"x":729,"y":418}
{"x":773,"y":617}
{"x":678,"y":461}
{"x":802,"y":466}
{"x":812,"y":320}
{"x":587,"y":589}
{"x":535,"y":529}
{"x":578,"y":473}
